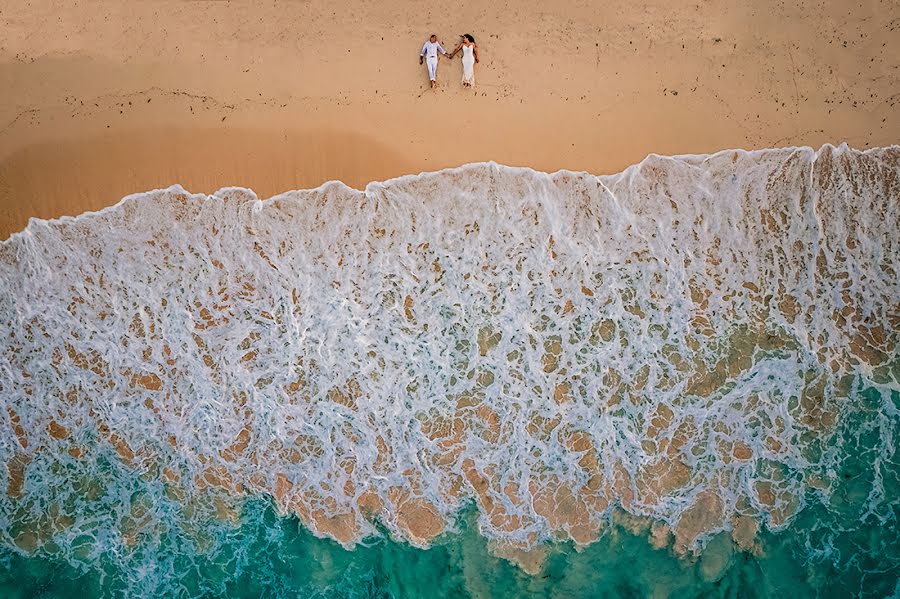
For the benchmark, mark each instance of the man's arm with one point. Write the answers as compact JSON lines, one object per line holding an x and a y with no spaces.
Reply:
{"x":440,"y":48}
{"x":424,"y":48}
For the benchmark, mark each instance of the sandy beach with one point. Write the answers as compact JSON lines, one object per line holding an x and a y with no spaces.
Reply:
{"x":490,"y":376}
{"x":103,"y":99}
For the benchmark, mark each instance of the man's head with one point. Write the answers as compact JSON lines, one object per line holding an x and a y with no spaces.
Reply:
{"x":433,"y":37}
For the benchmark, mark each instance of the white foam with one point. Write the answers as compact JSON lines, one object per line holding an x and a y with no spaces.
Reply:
{"x":738,"y":290}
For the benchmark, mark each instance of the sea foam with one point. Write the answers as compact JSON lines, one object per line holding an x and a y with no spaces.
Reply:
{"x":684,"y":342}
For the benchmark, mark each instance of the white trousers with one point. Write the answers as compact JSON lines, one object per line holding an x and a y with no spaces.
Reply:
{"x":432,"y":61}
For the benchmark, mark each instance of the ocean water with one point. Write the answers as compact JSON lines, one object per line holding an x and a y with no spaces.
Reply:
{"x":486,"y":381}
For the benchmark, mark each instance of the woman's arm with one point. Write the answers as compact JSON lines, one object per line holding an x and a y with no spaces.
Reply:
{"x":455,"y":50}
{"x":475,"y":52}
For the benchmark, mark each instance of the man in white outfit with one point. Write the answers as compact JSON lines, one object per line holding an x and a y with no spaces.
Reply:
{"x":430,"y":55}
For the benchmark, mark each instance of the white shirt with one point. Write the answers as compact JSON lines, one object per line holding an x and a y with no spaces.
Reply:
{"x":432,"y":48}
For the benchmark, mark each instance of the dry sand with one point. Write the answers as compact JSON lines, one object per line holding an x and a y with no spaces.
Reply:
{"x":105,"y":98}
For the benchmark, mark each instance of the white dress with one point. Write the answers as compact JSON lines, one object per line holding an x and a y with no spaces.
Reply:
{"x":468,"y":60}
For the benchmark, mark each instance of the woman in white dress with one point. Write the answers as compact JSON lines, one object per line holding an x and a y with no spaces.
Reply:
{"x":469,"y":57}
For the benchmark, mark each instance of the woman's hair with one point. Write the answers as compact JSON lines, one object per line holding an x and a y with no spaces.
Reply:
{"x":469,"y":37}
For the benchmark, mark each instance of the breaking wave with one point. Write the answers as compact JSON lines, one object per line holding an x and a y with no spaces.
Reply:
{"x":695,"y":345}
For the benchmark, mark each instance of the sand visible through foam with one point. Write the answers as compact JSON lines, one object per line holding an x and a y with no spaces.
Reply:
{"x":679,"y":348}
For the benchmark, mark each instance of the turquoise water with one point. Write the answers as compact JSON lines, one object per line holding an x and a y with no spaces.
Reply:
{"x":849,"y":548}
{"x":273,"y":557}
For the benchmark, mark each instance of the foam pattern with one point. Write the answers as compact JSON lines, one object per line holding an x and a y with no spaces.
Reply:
{"x":681,"y":341}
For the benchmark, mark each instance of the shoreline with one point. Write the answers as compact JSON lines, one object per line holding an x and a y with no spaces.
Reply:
{"x":92,"y":107}
{"x":92,"y":174}
{"x":400,"y":179}
{"x":364,"y":187}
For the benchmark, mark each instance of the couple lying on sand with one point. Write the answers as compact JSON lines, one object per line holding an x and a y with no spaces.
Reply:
{"x":429,"y":54}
